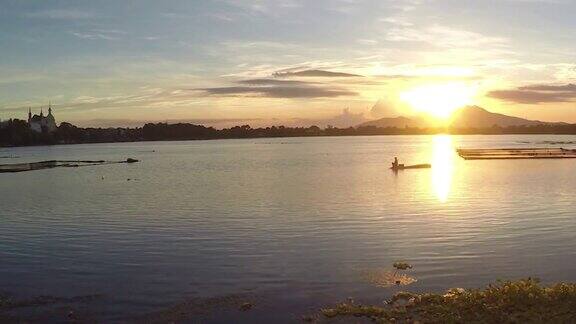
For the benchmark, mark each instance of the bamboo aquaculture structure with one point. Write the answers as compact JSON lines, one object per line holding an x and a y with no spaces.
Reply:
{"x":516,"y":153}
{"x":32,"y":166}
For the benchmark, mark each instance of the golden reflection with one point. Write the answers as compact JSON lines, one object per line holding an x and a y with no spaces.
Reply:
{"x":386,"y":278}
{"x":442,"y":166}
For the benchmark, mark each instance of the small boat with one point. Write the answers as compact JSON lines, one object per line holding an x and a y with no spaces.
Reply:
{"x":415,"y":166}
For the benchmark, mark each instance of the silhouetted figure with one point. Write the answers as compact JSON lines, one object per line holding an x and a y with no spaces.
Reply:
{"x":395,"y":163}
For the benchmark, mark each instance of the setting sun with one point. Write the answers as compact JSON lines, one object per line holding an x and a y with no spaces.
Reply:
{"x":439,"y":100}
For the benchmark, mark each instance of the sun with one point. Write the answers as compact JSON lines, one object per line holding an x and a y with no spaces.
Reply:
{"x":439,"y":100}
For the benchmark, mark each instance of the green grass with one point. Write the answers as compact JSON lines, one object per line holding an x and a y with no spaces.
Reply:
{"x":523,"y":301}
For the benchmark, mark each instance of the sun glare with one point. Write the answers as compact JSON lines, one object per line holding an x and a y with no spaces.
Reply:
{"x":439,"y":100}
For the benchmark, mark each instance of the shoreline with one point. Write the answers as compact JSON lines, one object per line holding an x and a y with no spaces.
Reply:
{"x":523,"y":301}
{"x":273,"y":137}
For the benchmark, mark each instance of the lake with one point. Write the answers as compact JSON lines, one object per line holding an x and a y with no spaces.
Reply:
{"x":290,"y":224}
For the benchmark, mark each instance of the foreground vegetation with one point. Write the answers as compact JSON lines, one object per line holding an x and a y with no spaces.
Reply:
{"x":523,"y":301}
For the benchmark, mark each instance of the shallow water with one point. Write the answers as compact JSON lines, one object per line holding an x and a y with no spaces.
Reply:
{"x":294,"y":221}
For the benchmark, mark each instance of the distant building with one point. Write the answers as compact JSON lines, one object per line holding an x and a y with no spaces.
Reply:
{"x":4,"y":124}
{"x":41,"y":123}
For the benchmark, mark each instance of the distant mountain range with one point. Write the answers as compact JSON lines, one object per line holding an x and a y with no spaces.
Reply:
{"x":466,"y":117}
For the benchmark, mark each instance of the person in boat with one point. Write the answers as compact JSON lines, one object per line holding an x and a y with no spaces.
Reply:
{"x":395,"y":163}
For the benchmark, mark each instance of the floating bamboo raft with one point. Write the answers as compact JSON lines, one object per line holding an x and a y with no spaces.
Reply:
{"x":517,"y":153}
{"x":23,"y":167}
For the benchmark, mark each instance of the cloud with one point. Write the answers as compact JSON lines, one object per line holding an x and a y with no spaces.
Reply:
{"x":65,"y":14}
{"x":315,"y":73}
{"x":94,"y":36}
{"x":397,"y":21}
{"x":565,"y":72}
{"x":222,"y":16}
{"x":382,"y":108}
{"x":274,"y":88}
{"x":100,"y":34}
{"x":365,"y":41}
{"x":435,"y":77}
{"x":280,"y":91}
{"x":122,"y":122}
{"x":427,"y":71}
{"x":542,"y":1}
{"x":445,"y":37}
{"x":264,"y":7}
{"x":535,"y":94}
{"x":146,"y":97}
{"x":346,"y":118}
{"x":408,"y":5}
{"x":551,"y":88}
{"x":271,"y":82}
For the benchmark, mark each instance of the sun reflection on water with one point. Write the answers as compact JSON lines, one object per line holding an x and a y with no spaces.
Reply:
{"x":442,"y":166}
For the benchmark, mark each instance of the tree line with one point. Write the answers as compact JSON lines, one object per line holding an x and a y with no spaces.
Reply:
{"x":17,"y":133}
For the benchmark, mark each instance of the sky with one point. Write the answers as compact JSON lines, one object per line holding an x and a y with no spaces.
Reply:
{"x":291,"y":62}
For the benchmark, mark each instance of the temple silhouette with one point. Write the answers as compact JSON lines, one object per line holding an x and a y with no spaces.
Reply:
{"x":41,"y":123}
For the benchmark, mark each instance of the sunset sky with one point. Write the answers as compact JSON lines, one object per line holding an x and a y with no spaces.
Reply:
{"x":292,"y":62}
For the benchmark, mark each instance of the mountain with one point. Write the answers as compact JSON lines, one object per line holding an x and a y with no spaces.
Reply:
{"x":397,"y":122}
{"x":474,"y":116}
{"x":466,"y":117}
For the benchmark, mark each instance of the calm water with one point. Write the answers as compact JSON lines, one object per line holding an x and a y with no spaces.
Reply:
{"x":293,"y":221}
